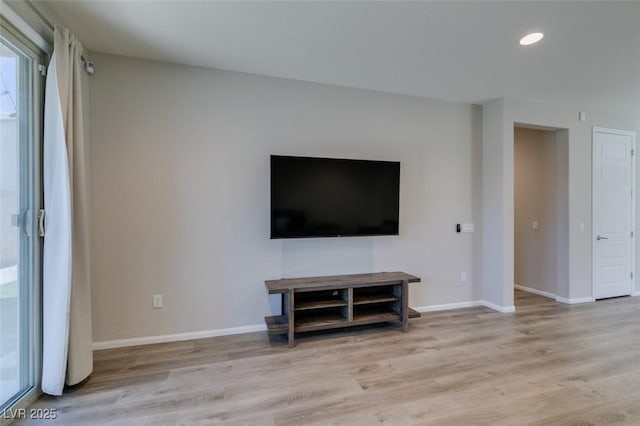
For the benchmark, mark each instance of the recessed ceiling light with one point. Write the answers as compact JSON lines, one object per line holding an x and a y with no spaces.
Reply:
{"x":531,"y":39}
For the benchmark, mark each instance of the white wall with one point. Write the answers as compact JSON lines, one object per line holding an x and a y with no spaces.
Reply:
{"x":499,"y":133}
{"x":496,"y":214}
{"x":180,"y":192}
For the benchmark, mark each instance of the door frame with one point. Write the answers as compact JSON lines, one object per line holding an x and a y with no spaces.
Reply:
{"x":31,"y":157}
{"x":632,"y":134}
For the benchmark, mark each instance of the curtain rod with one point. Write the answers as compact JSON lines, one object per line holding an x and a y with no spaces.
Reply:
{"x":89,"y":66}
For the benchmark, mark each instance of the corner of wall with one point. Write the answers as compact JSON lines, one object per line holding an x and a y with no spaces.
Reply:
{"x":497,"y":205}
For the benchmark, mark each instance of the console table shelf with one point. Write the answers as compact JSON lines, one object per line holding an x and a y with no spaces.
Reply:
{"x":319,"y":304}
{"x":322,"y":303}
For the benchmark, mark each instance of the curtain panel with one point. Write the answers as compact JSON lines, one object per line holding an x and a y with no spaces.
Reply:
{"x":67,"y":337}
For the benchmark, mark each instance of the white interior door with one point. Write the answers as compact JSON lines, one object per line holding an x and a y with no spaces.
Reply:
{"x":613,"y":212}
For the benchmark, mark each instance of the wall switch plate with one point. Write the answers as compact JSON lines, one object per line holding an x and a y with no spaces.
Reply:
{"x":157,"y":301}
{"x":468,"y":227}
{"x":463,"y":277}
{"x":535,"y":225}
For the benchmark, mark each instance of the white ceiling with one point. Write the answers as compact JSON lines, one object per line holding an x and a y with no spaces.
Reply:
{"x":456,"y":51}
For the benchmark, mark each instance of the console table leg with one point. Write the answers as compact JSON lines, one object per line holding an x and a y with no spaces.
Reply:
{"x":290,"y":317}
{"x":405,"y":306}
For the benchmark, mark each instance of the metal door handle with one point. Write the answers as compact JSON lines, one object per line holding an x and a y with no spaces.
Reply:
{"x":41,"y":224}
{"x":598,"y":237}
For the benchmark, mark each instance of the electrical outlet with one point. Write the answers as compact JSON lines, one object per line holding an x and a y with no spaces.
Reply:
{"x":463,"y":277}
{"x":157,"y":301}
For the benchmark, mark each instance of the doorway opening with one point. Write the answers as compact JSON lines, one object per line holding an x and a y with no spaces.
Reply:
{"x":541,"y":211}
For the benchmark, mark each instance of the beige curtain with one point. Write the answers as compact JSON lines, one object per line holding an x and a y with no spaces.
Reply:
{"x":67,"y":337}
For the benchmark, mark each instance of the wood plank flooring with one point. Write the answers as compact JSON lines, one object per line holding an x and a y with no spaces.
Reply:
{"x":547,"y":364}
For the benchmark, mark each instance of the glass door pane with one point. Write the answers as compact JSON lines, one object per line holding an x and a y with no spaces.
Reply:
{"x":16,"y":233}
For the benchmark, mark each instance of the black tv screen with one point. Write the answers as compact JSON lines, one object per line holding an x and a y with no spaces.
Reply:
{"x":328,"y":197}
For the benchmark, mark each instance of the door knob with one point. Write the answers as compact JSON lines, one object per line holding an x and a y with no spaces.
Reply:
{"x":599,"y":237}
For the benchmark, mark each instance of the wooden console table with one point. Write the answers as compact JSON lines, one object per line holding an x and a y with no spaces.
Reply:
{"x":322,"y":303}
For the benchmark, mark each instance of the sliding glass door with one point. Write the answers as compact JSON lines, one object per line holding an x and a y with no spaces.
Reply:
{"x":20,"y":198}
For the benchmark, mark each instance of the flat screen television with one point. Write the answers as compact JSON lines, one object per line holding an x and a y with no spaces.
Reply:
{"x":329,"y":197}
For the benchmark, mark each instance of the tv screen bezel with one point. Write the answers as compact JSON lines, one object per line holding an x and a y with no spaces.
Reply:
{"x":355,"y":160}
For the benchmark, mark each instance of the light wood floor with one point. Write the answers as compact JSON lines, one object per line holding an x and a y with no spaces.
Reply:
{"x":547,"y":364}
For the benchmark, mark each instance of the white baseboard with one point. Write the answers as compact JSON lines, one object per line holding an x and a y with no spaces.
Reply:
{"x":461,"y":305}
{"x":636,"y":293}
{"x":555,"y":297}
{"x":535,"y":291}
{"x":574,"y":301}
{"x":448,"y":306}
{"x":502,"y":309}
{"x":136,"y":341}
